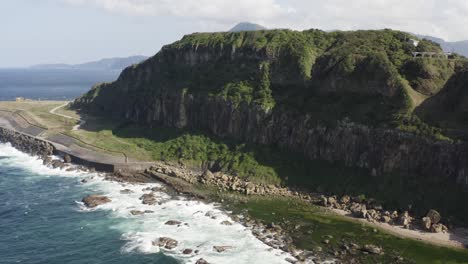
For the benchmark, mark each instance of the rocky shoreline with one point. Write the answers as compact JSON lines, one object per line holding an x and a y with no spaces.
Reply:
{"x":358,"y":207}
{"x":271,"y":234}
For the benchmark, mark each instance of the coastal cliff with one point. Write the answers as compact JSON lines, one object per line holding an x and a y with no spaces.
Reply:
{"x":344,"y":97}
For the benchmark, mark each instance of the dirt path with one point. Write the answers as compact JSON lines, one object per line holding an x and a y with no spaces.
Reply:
{"x":457,"y":237}
{"x":53,"y":111}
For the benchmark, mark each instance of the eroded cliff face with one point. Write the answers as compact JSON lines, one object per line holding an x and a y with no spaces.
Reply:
{"x":376,"y":149}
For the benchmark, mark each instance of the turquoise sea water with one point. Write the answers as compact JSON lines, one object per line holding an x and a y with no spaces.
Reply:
{"x":40,"y":222}
{"x":43,"y":221}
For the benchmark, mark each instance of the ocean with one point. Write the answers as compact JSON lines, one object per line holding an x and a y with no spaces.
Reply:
{"x":42,"y":220}
{"x":50,"y":84}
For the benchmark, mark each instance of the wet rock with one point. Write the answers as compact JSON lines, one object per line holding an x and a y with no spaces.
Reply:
{"x":227,"y":223}
{"x":173,"y":222}
{"x":46,"y":160}
{"x":210,"y":214}
{"x":71,"y":169}
{"x":126,"y":191}
{"x":158,"y":189}
{"x":187,"y":251}
{"x":57,"y":164}
{"x":148,"y":199}
{"x":136,"y":212}
{"x":67,"y":159}
{"x":434,"y":216}
{"x":221,"y":249}
{"x":166,"y":242}
{"x":202,"y":261}
{"x":373,"y":249}
{"x":290,"y":260}
{"x":95,"y":200}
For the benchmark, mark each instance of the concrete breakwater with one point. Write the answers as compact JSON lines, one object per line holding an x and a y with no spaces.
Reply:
{"x":29,"y":138}
{"x":27,"y":144}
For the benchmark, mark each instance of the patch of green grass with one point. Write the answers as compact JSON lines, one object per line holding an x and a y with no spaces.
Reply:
{"x":315,"y":223}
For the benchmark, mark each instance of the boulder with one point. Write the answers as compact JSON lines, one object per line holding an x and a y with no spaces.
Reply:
{"x":345,"y":199}
{"x":220,"y":249}
{"x":426,"y":223}
{"x":95,"y":200}
{"x":331,"y":201}
{"x":166,"y":242}
{"x":405,"y":220}
{"x":373,"y":249}
{"x":202,"y":261}
{"x":208,"y":175}
{"x":249,"y":188}
{"x":439,"y":228}
{"x":323,"y":200}
{"x":227,"y":223}
{"x":434,"y":216}
{"x":386,"y":219}
{"x":57,"y":164}
{"x":187,"y":251}
{"x":126,"y":191}
{"x":67,"y":158}
{"x":46,"y":160}
{"x":173,"y":222}
{"x":359,"y":210}
{"x":148,"y":198}
{"x":136,"y":212}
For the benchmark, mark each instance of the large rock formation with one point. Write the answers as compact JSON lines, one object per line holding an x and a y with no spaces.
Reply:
{"x":331,"y":96}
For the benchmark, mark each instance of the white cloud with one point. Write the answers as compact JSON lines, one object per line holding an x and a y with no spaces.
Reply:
{"x":444,"y":18}
{"x":227,"y":10}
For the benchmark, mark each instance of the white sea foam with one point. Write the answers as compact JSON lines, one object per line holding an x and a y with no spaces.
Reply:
{"x":201,"y":228}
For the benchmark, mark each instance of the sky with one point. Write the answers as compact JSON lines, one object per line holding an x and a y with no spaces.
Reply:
{"x":76,"y":31}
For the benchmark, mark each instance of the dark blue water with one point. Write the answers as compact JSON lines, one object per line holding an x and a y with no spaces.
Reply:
{"x":50,"y":84}
{"x":40,"y":222}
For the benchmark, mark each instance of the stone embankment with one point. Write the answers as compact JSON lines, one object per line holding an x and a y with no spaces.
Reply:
{"x":26,"y":144}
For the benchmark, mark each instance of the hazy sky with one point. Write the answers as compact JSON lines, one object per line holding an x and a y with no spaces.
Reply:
{"x":74,"y":31}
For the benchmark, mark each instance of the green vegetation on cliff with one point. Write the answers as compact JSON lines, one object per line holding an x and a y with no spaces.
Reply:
{"x":368,"y":76}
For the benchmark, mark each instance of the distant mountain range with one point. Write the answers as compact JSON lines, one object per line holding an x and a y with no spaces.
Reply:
{"x":247,"y":26}
{"x":460,"y":47}
{"x":112,"y":64}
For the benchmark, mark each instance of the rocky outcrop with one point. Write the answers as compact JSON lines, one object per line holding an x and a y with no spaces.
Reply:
{"x":166,"y":242}
{"x":27,"y":144}
{"x":95,"y":200}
